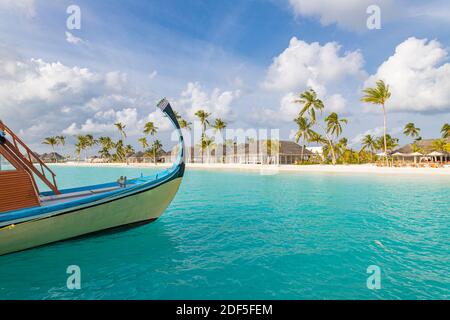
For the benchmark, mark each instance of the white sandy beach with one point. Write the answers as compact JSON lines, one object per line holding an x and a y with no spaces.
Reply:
{"x":270,"y":169}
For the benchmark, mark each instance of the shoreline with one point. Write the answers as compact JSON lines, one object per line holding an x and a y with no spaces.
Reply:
{"x":271,"y":169}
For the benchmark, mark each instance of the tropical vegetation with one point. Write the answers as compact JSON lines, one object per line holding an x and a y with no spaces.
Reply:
{"x":314,"y":125}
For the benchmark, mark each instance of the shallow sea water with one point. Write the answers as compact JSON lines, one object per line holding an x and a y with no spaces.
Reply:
{"x":239,"y":235}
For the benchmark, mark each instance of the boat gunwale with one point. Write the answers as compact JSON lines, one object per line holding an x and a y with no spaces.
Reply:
{"x":26,"y":215}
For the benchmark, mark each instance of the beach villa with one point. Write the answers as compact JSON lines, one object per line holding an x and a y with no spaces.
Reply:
{"x":421,"y":151}
{"x":257,"y":152}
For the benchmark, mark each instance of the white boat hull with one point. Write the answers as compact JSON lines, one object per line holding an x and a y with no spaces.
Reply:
{"x":134,"y":209}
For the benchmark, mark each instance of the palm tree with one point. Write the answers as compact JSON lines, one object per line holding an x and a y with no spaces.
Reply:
{"x":411,"y":131}
{"x":107,"y":145}
{"x":78,"y":150}
{"x":121,"y":128}
{"x":334,"y":127}
{"x":129,"y":150}
{"x":439,"y":145}
{"x":144,"y":143}
{"x":203,"y":116}
{"x":219,"y":125}
{"x":379,"y":96}
{"x":62,"y":142}
{"x":206,"y":144}
{"x":51,"y":141}
{"x":388,"y":141}
{"x":318,"y":139}
{"x":447,"y":147}
{"x":304,"y":132}
{"x":311,"y":104}
{"x":156,"y":149}
{"x":81,"y":145}
{"x":120,"y":151}
{"x":445,"y":131}
{"x":184,"y":124}
{"x":150,"y":129}
{"x":342,"y":150}
{"x":416,"y":148}
{"x":369,"y":143}
{"x":89,"y":143}
{"x":104,"y":153}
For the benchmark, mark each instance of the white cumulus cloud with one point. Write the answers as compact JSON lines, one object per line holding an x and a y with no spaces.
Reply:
{"x":304,"y":65}
{"x":419,"y":76}
{"x":218,"y":102}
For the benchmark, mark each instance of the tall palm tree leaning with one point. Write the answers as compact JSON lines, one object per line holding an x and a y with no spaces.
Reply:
{"x":144,"y":143}
{"x":445,"y":131}
{"x":52,"y":142}
{"x":411,"y":131}
{"x":311,"y":105}
{"x":379,"y":96}
{"x":121,"y":128}
{"x":334,"y":128}
{"x":203,"y":116}
{"x":304,"y":132}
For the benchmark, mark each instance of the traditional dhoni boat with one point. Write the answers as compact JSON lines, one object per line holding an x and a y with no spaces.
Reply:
{"x":30,"y":218}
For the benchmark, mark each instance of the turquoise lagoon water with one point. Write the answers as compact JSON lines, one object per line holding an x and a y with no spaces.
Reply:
{"x":236,"y":235}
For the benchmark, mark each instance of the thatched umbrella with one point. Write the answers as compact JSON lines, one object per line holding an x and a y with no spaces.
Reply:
{"x":415,"y":154}
{"x":436,"y":154}
{"x":399,"y":154}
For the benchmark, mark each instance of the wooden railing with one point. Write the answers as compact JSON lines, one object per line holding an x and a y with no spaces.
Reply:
{"x":28,"y":158}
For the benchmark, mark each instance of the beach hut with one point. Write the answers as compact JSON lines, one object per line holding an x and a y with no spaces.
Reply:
{"x":415,"y":155}
{"x":436,"y":154}
{"x":399,"y":154}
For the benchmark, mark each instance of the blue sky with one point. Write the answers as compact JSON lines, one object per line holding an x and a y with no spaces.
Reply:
{"x":242,"y":60}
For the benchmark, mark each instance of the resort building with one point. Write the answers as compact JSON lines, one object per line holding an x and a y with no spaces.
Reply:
{"x":258,"y":152}
{"x":421,"y":151}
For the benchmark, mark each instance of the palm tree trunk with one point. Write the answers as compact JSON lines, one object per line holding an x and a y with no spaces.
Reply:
{"x":333,"y":154}
{"x":54,"y":154}
{"x":385,"y":133}
{"x":303,"y":151}
{"x":203,"y":137}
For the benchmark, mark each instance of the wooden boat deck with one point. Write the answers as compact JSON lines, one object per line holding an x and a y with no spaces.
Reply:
{"x":56,"y":199}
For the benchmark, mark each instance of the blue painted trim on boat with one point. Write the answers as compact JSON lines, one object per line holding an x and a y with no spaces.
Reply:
{"x":94,"y":200}
{"x":135,"y":186}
